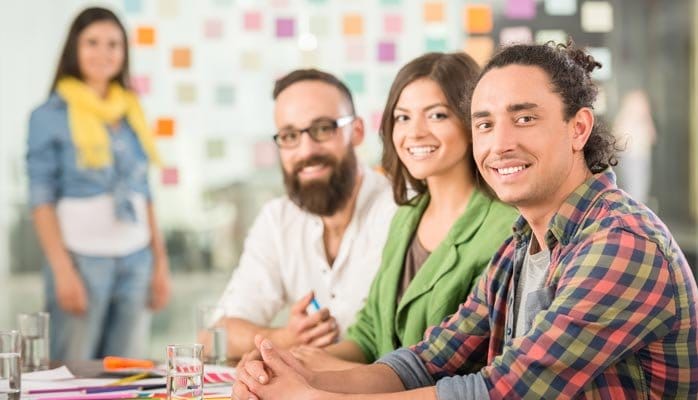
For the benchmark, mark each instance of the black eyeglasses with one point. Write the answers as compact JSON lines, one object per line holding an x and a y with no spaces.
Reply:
{"x":320,"y":130}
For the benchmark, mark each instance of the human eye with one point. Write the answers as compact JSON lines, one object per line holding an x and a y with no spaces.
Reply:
{"x":287,"y":136}
{"x":400,"y":118}
{"x":525,"y":119}
{"x":440,"y":115}
{"x":483,"y":126}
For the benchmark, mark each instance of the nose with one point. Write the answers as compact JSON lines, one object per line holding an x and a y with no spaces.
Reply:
{"x":307,"y":146}
{"x":503,"y":138}
{"x":418,"y":128}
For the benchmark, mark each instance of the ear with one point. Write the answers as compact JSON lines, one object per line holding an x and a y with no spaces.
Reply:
{"x":357,"y":131}
{"x":581,"y":125}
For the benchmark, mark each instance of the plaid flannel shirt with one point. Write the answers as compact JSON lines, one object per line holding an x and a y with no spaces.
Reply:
{"x":621,"y":321}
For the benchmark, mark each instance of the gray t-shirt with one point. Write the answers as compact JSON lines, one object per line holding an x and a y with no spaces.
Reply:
{"x":531,"y":279}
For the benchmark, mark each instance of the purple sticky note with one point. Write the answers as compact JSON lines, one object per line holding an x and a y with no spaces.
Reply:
{"x":252,"y":21}
{"x":140,"y":84}
{"x":285,"y":27}
{"x":520,"y":9}
{"x":386,"y":51}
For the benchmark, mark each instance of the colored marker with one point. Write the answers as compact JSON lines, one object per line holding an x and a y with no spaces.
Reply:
{"x":315,"y":304}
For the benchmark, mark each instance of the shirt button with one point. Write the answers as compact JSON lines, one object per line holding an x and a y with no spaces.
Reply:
{"x":508,"y":331}
{"x":332,"y":295}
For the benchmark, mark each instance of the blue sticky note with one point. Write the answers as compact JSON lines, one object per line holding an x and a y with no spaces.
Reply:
{"x":133,"y":6}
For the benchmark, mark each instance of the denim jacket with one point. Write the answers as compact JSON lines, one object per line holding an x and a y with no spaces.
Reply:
{"x":52,"y":164}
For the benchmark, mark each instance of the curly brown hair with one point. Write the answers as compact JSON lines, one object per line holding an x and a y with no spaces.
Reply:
{"x":569,"y":69}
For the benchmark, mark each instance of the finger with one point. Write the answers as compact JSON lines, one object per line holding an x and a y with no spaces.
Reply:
{"x":241,"y":392}
{"x":258,"y":339}
{"x":319,"y":330}
{"x":249,"y":381}
{"x":314,"y":319}
{"x":300,"y":306}
{"x":257,"y":371}
{"x":325,"y":340}
{"x":273,"y":359}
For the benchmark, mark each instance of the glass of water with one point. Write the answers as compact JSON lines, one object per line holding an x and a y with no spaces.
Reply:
{"x":10,"y":374}
{"x":185,"y":371}
{"x":211,"y":332}
{"x":33,"y":327}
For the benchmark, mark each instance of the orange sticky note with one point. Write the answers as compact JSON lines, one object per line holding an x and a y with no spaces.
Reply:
{"x":433,"y":11}
{"x":164,"y":127}
{"x":479,"y":48}
{"x":181,"y":57}
{"x":478,"y":18}
{"x":145,"y":36}
{"x":353,"y":25}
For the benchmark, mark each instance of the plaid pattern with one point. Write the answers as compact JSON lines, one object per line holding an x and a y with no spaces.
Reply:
{"x":621,"y":324}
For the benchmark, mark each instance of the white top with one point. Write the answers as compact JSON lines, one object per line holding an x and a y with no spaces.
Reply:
{"x":89,"y":226}
{"x":284,"y":258}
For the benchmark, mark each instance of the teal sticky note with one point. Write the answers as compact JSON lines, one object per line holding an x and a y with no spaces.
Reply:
{"x":225,"y":94}
{"x":317,"y":1}
{"x":355,"y":81}
{"x":436,"y":44}
{"x":391,"y":2}
{"x":133,"y":6}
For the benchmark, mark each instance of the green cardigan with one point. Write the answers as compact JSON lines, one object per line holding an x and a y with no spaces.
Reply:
{"x":440,"y":285}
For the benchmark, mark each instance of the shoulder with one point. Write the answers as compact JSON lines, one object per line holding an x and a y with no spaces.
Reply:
{"x":376,"y":193}
{"x":51,"y":107}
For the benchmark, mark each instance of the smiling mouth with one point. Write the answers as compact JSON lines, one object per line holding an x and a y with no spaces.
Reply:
{"x":421,"y":150}
{"x":511,"y":170}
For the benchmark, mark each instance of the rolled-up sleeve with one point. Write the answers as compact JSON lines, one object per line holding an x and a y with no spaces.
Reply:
{"x":42,"y":159}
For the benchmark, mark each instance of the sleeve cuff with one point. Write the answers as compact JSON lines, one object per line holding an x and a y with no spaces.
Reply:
{"x":409,"y":367}
{"x":471,"y":386}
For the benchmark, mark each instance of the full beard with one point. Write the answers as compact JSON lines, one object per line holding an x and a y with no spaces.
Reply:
{"x":319,"y":197}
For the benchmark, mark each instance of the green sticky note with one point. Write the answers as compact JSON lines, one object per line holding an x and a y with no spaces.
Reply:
{"x":215,"y":149}
{"x":225,"y":94}
{"x":355,"y":81}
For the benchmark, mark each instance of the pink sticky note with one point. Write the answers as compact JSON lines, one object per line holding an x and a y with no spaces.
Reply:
{"x":392,"y":23}
{"x":252,"y":21}
{"x":376,"y":117}
{"x":265,"y":154}
{"x":285,"y":27}
{"x":356,"y":52}
{"x":386,"y":51}
{"x":141,"y":84}
{"x":515,"y":35}
{"x":213,"y":28}
{"x":520,"y":9}
{"x":170,"y":176}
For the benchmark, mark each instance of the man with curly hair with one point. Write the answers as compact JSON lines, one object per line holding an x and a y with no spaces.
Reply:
{"x":590,"y":298}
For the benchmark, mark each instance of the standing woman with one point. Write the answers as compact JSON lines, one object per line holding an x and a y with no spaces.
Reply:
{"x":88,"y":154}
{"x":448,"y":226}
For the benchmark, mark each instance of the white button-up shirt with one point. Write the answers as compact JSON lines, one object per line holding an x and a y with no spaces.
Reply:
{"x":284,"y":258}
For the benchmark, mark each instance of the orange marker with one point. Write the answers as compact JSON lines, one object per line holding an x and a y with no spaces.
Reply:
{"x":112,"y":362}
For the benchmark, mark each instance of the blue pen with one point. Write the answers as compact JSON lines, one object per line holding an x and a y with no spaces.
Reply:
{"x":315,"y":304}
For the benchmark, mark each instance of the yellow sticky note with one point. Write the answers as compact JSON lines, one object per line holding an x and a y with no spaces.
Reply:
{"x":434,"y":11}
{"x":477,"y":18}
{"x":479,"y":48}
{"x":250,"y":60}
{"x":181,"y":57}
{"x":145,"y":35}
{"x":352,"y":25}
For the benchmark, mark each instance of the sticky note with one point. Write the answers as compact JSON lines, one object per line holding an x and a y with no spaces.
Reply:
{"x":392,"y":23}
{"x":145,"y":35}
{"x":224,"y":3}
{"x":434,"y":11}
{"x":520,"y":9}
{"x":133,"y":6}
{"x":164,"y":127}
{"x":560,"y":7}
{"x":386,"y":51}
{"x":213,"y":28}
{"x":355,"y":81}
{"x":317,"y":1}
{"x":140,"y":84}
{"x":478,"y":18}
{"x":181,"y":57}
{"x":224,"y":94}
{"x":391,"y":2}
{"x":310,"y":59}
{"x":435,"y":44}
{"x":352,"y":25}
{"x":285,"y":27}
{"x":186,"y":93}
{"x":355,"y":52}
{"x":376,"y":117}
{"x":515,"y":35}
{"x":252,"y":20}
{"x":215,"y":149}
{"x":319,"y":25}
{"x":544,"y":36}
{"x":265,"y":154}
{"x":479,"y":48}
{"x":597,"y":16}
{"x":602,"y":55}
{"x":279,"y":3}
{"x":250,"y":60}
{"x":168,"y":8}
{"x":170,"y":176}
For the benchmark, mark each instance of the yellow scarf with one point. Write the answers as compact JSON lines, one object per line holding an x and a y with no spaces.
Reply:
{"x":88,"y":115}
